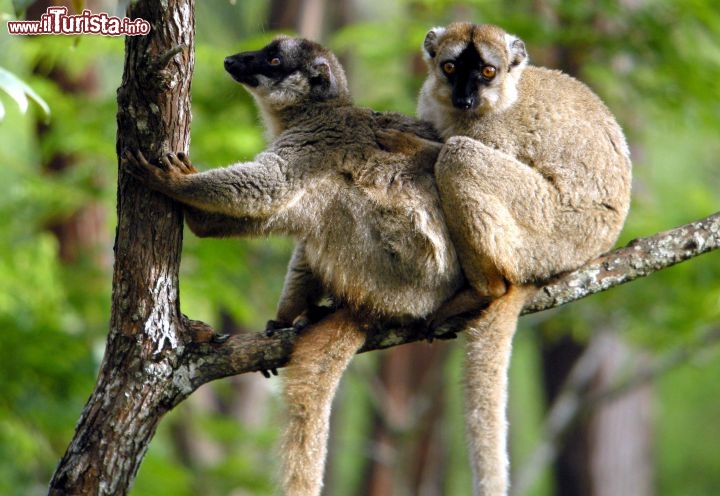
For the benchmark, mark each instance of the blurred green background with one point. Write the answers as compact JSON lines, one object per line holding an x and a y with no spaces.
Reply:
{"x":397,"y":425}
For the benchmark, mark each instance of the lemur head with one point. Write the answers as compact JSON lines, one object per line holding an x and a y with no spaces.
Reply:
{"x":289,"y":72}
{"x":473,"y":68}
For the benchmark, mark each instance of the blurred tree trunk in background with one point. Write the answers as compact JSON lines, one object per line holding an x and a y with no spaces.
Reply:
{"x":309,"y":18}
{"x":621,"y":430}
{"x":610,"y":451}
{"x":81,"y":235}
{"x":572,"y":464}
{"x":408,"y":450}
{"x":284,"y":14}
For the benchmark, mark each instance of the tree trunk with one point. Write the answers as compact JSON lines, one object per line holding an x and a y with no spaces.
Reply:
{"x":609,"y":451}
{"x":146,"y":336}
{"x":571,"y":467}
{"x":620,"y":433}
{"x":307,"y":17}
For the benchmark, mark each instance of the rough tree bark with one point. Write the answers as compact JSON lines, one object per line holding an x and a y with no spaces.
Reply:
{"x":146,"y":335}
{"x":154,"y":358}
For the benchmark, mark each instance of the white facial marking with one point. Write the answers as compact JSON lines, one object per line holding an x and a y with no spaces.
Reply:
{"x":453,"y":50}
{"x":490,"y":56}
{"x":438,"y":30}
{"x":289,"y":44}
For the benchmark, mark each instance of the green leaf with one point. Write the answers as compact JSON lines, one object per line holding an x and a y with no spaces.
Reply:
{"x":19,"y":91}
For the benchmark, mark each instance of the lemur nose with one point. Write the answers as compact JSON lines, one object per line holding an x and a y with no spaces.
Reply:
{"x":463,"y":103}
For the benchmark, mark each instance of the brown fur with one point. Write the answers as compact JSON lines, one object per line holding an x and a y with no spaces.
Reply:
{"x":369,"y":223}
{"x":534,"y":180}
{"x":311,"y":378}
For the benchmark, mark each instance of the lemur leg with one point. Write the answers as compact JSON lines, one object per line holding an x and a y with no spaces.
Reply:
{"x":500,"y":212}
{"x":321,"y":355}
{"x":301,"y":291}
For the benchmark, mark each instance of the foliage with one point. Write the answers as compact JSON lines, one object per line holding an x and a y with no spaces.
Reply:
{"x":656,"y":63}
{"x":19,"y":91}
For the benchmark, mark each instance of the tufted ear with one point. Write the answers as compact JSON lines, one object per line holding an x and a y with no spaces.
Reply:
{"x":431,"y":41}
{"x":516,"y":51}
{"x":321,"y":74}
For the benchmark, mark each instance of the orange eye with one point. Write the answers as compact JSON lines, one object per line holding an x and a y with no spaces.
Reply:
{"x":488,"y":72}
{"x":274,"y":61}
{"x":448,"y":67}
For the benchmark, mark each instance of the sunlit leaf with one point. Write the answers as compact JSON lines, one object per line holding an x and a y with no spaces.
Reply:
{"x":19,"y":91}
{"x":13,"y":86}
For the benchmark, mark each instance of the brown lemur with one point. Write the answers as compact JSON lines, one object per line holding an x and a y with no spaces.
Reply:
{"x":534,"y":180}
{"x":369,"y":224}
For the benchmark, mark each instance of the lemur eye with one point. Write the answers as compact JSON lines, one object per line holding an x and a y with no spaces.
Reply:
{"x":448,"y":67}
{"x":488,"y":71}
{"x":274,"y":61}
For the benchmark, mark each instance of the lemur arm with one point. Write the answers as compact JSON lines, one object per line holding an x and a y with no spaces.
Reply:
{"x":253,"y":190}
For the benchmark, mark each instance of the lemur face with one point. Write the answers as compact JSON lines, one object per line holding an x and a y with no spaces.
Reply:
{"x":270,"y":65}
{"x":287,"y":71}
{"x":469,"y":64}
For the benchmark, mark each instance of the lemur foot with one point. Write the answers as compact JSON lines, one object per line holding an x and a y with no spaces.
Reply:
{"x":268,"y":373}
{"x":272,"y":326}
{"x":201,"y":333}
{"x":298,"y":325}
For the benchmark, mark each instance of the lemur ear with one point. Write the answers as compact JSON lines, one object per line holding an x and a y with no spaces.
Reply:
{"x":321,"y":74}
{"x":431,"y":41}
{"x":516,"y":51}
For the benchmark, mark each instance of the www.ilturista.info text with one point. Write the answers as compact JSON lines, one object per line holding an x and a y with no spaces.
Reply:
{"x":57,"y":21}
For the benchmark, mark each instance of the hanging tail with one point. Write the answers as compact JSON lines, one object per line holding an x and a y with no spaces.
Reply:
{"x":321,"y":355}
{"x":489,"y":345}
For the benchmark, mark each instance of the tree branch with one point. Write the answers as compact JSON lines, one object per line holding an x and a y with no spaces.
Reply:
{"x":641,"y":257}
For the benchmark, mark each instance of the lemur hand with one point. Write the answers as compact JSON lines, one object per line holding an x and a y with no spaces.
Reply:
{"x":161,"y":174}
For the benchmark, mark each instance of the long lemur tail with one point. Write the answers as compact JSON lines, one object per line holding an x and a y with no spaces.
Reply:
{"x":321,"y":355}
{"x":489,"y":345}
